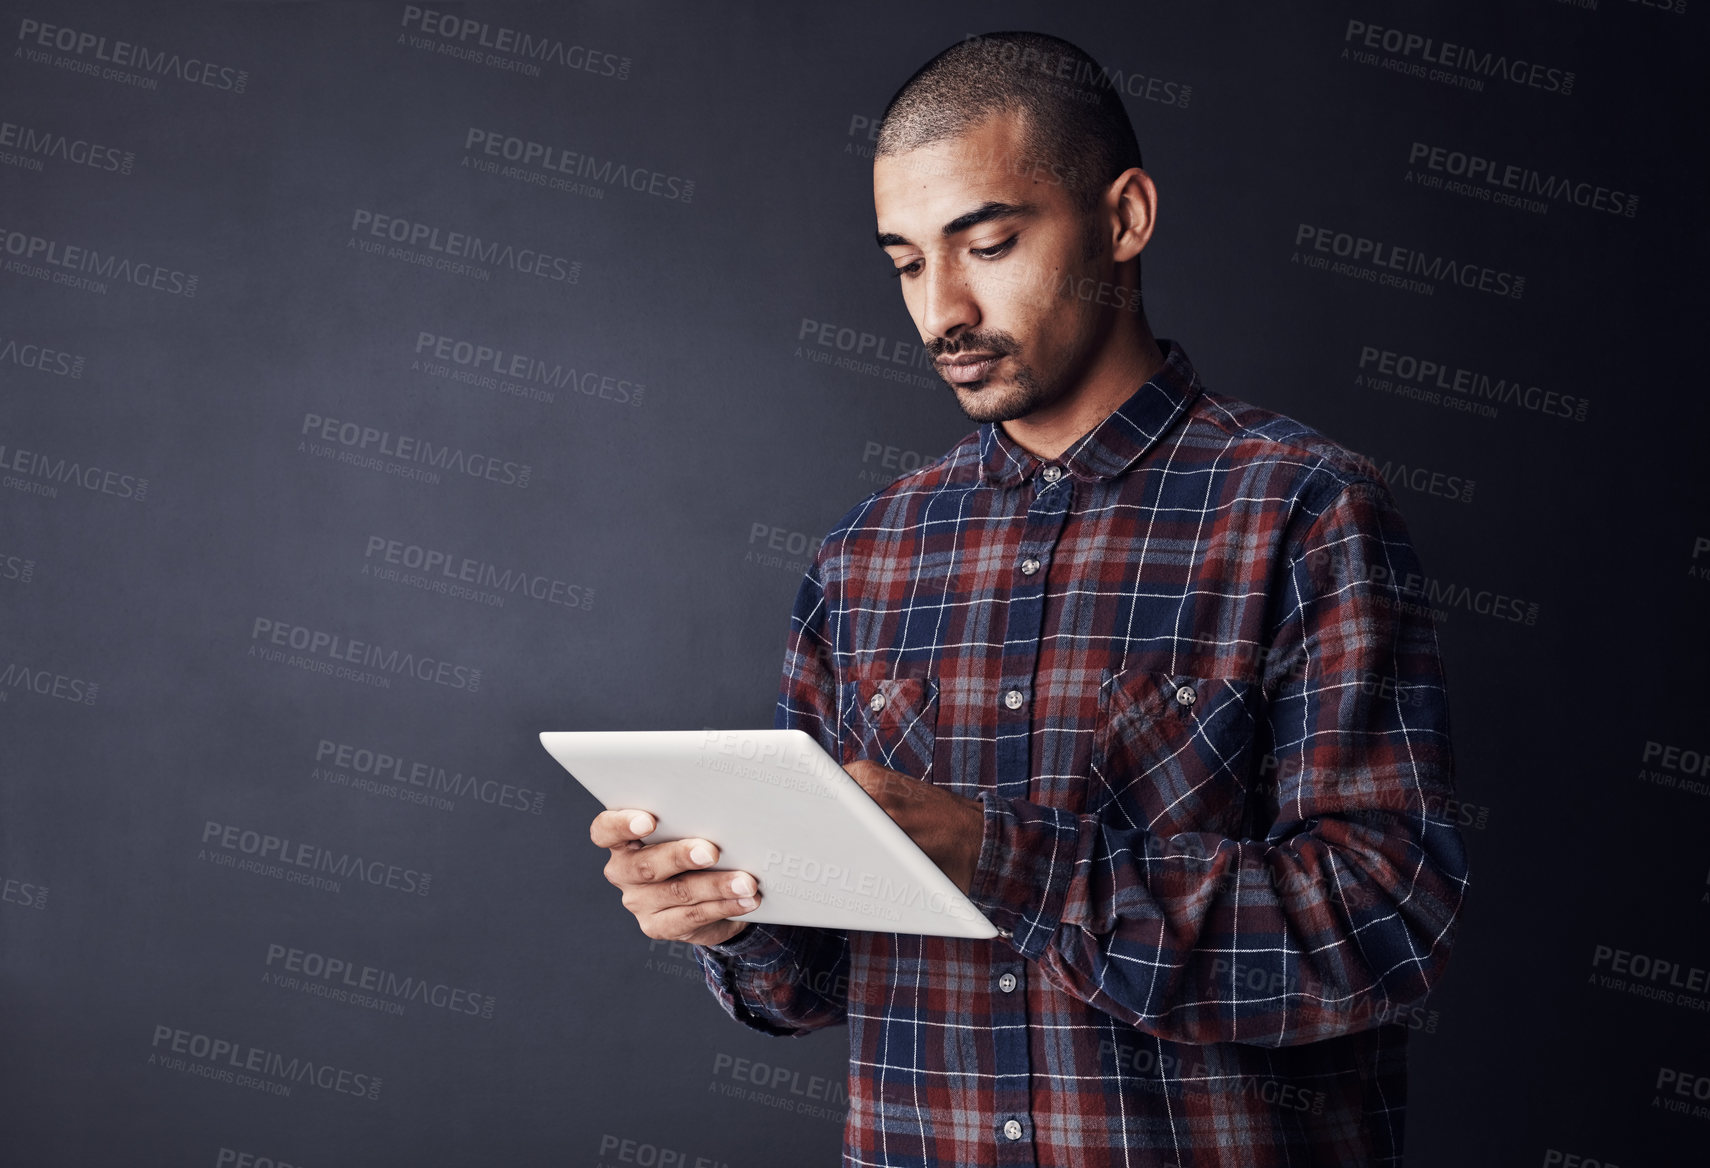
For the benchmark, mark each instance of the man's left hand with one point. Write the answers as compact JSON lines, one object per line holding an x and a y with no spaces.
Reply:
{"x":948,"y":828}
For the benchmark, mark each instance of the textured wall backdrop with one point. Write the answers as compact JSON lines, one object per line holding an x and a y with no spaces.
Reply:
{"x":381,"y":384}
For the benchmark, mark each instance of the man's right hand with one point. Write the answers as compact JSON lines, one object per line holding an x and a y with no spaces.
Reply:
{"x":662,"y":886}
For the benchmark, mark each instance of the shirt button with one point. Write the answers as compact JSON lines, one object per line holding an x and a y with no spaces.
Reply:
{"x":1185,"y":695}
{"x":1029,"y":566}
{"x":1052,"y":474}
{"x":1012,"y":1129}
{"x":1006,"y":983}
{"x":1012,"y":699}
{"x":876,"y":703}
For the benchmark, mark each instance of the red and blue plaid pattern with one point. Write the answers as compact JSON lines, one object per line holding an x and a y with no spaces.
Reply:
{"x":1180,"y":668}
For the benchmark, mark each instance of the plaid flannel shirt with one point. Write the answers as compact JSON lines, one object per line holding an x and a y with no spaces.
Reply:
{"x":1185,"y":669}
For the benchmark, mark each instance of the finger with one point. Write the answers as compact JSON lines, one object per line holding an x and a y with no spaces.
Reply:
{"x":612,"y":829}
{"x":677,"y":922}
{"x":691,"y":888}
{"x":655,"y":863}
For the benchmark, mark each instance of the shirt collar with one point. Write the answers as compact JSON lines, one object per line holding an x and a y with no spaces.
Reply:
{"x":1110,"y":447}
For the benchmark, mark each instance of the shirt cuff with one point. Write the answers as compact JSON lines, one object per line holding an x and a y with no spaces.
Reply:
{"x":755,"y":945}
{"x":1027,"y":856}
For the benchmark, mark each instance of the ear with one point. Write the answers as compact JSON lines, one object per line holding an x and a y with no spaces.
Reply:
{"x":1133,"y":203}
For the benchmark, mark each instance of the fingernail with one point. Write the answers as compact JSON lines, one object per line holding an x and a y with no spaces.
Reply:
{"x":701,"y":854}
{"x":640,"y":825}
{"x":742,"y":885}
{"x":747,"y":902}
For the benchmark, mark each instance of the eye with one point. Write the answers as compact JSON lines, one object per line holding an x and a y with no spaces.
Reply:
{"x":985,"y":253}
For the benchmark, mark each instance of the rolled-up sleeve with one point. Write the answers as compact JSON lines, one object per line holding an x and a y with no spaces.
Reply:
{"x":1339,"y":911}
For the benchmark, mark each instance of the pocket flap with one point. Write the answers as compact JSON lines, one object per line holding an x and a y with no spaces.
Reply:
{"x":892,"y":721}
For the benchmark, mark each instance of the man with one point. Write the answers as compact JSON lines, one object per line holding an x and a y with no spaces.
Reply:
{"x":1132,"y":662}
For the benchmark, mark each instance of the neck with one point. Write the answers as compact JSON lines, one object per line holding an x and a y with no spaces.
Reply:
{"x":1127,"y":361}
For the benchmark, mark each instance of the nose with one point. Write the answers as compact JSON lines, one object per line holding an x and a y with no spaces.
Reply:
{"x":948,"y":303}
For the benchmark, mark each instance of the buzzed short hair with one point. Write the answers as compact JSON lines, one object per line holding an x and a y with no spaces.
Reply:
{"x":1073,"y":114}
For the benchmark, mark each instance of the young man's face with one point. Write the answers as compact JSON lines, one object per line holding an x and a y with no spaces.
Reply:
{"x":984,"y":239}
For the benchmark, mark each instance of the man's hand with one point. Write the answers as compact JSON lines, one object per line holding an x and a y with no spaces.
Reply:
{"x":671,"y":900}
{"x":947,"y":827}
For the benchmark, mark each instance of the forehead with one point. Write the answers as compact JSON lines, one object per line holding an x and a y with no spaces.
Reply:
{"x":915,"y":193}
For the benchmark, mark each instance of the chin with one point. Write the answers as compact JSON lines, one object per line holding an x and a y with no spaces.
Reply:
{"x":986,"y":411}
{"x":990,"y":402}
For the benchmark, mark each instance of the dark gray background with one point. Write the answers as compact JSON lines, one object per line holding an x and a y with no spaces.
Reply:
{"x":666,"y":508}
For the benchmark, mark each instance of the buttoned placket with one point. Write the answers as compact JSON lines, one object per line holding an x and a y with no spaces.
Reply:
{"x":1052,"y":493}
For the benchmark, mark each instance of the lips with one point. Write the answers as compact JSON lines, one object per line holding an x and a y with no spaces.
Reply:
{"x":967,"y":367}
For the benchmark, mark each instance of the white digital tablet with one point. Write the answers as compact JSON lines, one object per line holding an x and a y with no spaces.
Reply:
{"x":781,"y":808}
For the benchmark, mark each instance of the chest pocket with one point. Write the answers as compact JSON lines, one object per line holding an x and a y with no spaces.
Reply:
{"x":1173,"y":752}
{"x":891,"y":720}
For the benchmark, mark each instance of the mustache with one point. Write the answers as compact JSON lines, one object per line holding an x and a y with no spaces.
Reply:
{"x":999,"y":343}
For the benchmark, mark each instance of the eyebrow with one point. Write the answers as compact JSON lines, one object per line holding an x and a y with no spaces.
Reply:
{"x":984,"y":213}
